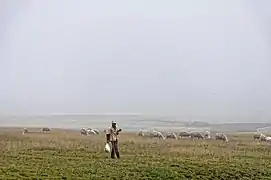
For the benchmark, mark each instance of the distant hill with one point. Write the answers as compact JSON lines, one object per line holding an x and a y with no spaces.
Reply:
{"x":198,"y":124}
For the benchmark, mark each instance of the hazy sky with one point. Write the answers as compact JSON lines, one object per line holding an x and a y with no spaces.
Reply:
{"x":193,"y":59}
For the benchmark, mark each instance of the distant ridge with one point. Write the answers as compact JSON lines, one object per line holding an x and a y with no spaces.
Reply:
{"x":95,"y":114}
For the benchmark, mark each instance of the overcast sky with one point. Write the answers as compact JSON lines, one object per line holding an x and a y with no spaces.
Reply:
{"x":194,"y":59}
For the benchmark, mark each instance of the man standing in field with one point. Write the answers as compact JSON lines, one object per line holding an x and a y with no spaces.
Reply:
{"x":112,"y":136}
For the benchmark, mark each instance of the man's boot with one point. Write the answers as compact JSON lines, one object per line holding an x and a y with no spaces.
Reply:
{"x":118,"y":155}
{"x":112,"y":154}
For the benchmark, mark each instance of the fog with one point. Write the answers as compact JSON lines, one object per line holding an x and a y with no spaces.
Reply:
{"x":207,"y":60}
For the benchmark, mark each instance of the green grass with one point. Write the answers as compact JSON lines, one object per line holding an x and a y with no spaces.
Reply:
{"x":68,"y":155}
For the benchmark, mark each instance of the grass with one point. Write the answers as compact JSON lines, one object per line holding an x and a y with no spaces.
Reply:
{"x":64,"y":154}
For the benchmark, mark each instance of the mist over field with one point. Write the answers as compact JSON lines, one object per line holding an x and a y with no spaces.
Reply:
{"x":205,"y":61}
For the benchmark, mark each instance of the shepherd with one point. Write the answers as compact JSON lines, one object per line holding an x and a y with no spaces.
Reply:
{"x":112,"y":136}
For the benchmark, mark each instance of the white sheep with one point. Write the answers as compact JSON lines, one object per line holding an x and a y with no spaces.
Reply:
{"x":197,"y":135}
{"x":141,"y":133}
{"x":171,"y":135}
{"x":83,"y":131}
{"x":207,"y":135}
{"x":221,"y":136}
{"x":184,"y":134}
{"x":262,"y":137}
{"x":91,"y":132}
{"x":96,"y":131}
{"x":25,"y":131}
{"x":157,"y":134}
{"x":268,"y":139}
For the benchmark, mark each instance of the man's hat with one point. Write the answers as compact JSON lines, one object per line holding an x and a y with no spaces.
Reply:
{"x":114,"y":122}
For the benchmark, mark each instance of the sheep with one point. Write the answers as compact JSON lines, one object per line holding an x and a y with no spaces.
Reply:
{"x":268,"y":139}
{"x":141,"y":133}
{"x":83,"y":131}
{"x":25,"y":130}
{"x":265,"y":138}
{"x":153,"y":134}
{"x":96,"y":131}
{"x":184,"y":134}
{"x":262,"y":137}
{"x":257,"y":137}
{"x":158,"y":134}
{"x":221,"y":136}
{"x":171,"y":135}
{"x":207,"y":135}
{"x":91,"y":131}
{"x":197,"y":135}
{"x":46,"y":129}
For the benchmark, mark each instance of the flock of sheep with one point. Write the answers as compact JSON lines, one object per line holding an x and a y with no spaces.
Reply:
{"x":170,"y":135}
{"x":192,"y":135}
{"x":262,"y":137}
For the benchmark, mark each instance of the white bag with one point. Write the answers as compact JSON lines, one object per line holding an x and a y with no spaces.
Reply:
{"x":107,"y":148}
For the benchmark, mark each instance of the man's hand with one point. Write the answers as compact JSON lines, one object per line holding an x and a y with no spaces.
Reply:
{"x":119,"y":130}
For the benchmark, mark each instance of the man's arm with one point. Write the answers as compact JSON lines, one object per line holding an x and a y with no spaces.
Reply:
{"x":119,"y":130}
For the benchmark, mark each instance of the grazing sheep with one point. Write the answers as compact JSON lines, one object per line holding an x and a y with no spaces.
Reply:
{"x":184,"y":134}
{"x":91,"y":132}
{"x":25,"y":130}
{"x":46,"y":129}
{"x":141,"y":133}
{"x":197,"y":135}
{"x":221,"y":136}
{"x":257,"y":137}
{"x":207,"y":135}
{"x":171,"y":135}
{"x":268,"y":139}
{"x":83,"y":131}
{"x":157,"y":134}
{"x":262,"y":137}
{"x":96,"y":131}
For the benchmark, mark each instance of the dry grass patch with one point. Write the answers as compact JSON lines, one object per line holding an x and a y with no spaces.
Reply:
{"x":68,"y":155}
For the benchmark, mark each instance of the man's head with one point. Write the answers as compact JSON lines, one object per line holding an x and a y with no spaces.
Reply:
{"x":114,"y":124}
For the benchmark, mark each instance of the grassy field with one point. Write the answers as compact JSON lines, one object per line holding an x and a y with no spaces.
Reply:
{"x":68,"y":155}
